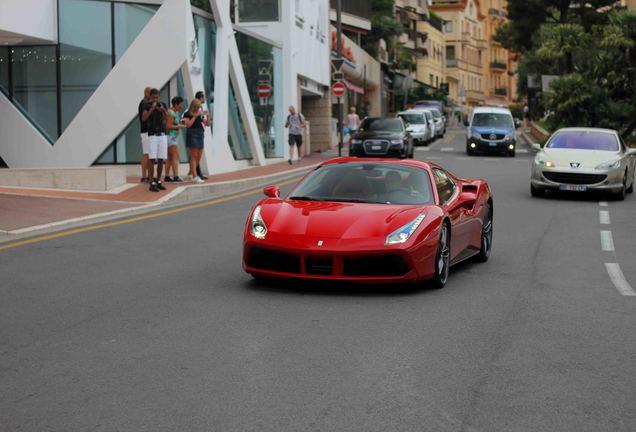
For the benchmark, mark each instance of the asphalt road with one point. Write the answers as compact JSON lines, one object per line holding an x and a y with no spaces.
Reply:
{"x":153,"y":326}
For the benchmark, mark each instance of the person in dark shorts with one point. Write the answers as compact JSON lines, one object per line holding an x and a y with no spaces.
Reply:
{"x":296,"y":123}
{"x":195,"y":123}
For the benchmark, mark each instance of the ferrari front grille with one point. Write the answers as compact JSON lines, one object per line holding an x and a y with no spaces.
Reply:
{"x":574,"y":178}
{"x":384,"y":265}
{"x":319,"y":266}
{"x":266,"y":259}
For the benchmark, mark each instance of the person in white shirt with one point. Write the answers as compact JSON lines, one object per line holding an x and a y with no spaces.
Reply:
{"x":353,"y":121}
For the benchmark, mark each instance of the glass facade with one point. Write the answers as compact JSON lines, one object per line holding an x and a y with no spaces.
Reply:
{"x":268,"y":113}
{"x":130,"y":19}
{"x":34,"y":86}
{"x":86,"y":55}
{"x":4,"y":69}
{"x":258,"y":10}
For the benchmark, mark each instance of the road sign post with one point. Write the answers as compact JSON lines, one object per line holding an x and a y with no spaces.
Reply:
{"x":340,"y":60}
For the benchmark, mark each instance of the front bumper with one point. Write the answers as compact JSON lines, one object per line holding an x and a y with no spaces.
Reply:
{"x":484,"y":145}
{"x":339,"y":260}
{"x":394,"y":150}
{"x":573,"y":179}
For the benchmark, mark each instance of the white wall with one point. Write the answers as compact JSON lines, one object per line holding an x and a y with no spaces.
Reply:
{"x":34,"y":20}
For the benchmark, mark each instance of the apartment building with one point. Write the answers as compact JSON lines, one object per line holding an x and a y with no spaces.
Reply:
{"x":414,"y":39}
{"x":430,"y":66}
{"x":465,"y":43}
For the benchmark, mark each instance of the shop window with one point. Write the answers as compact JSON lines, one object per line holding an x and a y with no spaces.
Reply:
{"x":85,"y":52}
{"x":258,"y":10}
{"x":236,"y":130}
{"x":130,"y":20}
{"x":34,"y":87}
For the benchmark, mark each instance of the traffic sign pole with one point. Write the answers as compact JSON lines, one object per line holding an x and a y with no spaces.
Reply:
{"x":339,"y":36}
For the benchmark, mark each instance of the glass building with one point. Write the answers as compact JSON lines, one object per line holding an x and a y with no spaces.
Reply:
{"x":50,"y":83}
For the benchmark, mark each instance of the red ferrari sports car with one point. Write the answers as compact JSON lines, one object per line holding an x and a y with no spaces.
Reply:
{"x":370,"y":220}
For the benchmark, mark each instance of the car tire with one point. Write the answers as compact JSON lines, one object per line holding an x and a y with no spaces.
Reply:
{"x":442,"y":259}
{"x":486,"y":236}
{"x":620,"y":195}
{"x":536,"y":192}
{"x":630,"y":189}
{"x":469,"y":151}
{"x":511,"y":153}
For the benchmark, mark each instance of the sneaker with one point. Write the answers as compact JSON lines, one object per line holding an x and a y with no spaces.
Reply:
{"x":177,"y":179}
{"x":160,"y":186}
{"x":202,"y":177}
{"x":198,"y":180}
{"x":289,"y":160}
{"x":168,"y":179}
{"x":153,"y":187}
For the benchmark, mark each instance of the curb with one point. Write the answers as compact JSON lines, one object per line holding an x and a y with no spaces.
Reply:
{"x":179,"y":196}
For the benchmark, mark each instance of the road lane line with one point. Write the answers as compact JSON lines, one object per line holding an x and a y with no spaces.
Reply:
{"x":447,"y":149}
{"x":138,"y":218}
{"x":522,"y":151}
{"x":422,"y":149}
{"x":603,"y":203}
{"x":618,"y":279}
{"x":607,"y":242}
{"x":604,"y":217}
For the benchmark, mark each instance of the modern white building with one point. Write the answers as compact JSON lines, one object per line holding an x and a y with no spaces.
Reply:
{"x":72,"y":73}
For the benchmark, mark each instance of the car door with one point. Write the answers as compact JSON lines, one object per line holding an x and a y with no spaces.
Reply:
{"x":630,"y":160}
{"x":448,"y":193}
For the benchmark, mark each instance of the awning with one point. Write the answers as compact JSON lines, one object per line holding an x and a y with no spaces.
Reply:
{"x":354,"y":87}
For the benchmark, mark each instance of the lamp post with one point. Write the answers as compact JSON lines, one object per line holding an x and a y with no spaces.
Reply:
{"x":339,"y":56}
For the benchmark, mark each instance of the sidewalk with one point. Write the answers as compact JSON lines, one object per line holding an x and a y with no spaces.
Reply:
{"x":26,"y":211}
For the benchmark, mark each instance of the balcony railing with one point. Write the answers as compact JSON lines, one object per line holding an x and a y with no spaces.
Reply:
{"x":452,"y":62}
{"x":497,"y":12}
{"x":498,"y":65}
{"x":361,"y":8}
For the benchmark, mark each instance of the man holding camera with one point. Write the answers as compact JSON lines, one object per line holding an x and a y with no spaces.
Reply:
{"x":155,"y":114}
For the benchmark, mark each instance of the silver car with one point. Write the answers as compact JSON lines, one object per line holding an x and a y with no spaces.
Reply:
{"x":417,"y":125}
{"x":584,"y":159}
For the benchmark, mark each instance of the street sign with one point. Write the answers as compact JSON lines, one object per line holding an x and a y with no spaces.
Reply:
{"x":338,"y":89}
{"x":337,"y":64}
{"x":337,"y":76}
{"x":264,"y":90}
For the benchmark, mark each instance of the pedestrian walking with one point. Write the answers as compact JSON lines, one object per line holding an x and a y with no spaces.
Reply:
{"x":526,"y":116}
{"x":195,"y":122}
{"x":145,"y":177}
{"x":205,"y":115}
{"x":353,"y":121}
{"x":155,"y":114}
{"x":296,"y":123}
{"x":173,"y":126}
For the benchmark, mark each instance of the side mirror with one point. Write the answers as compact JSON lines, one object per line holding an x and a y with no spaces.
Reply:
{"x":536,"y":147}
{"x":631,"y":152}
{"x":272,"y":191}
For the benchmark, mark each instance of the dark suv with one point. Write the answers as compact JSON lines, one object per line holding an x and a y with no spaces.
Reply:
{"x":382,"y":137}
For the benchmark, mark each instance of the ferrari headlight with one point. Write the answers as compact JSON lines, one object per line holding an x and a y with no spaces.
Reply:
{"x":356,"y":141}
{"x":257,"y":226}
{"x":403,"y":234}
{"x":609,"y":165}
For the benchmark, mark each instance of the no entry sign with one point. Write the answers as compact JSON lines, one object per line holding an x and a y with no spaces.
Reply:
{"x":264,"y":90}
{"x":338,"y":89}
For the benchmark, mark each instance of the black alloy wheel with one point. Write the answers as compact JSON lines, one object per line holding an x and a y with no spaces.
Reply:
{"x":442,"y":259}
{"x":486,"y":236}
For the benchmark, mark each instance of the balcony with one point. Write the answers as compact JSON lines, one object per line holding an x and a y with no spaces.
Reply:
{"x":497,"y":12}
{"x":481,"y":44}
{"x":452,"y":63}
{"x":498,"y":66}
{"x":360,"y":8}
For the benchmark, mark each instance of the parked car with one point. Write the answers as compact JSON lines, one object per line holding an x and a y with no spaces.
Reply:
{"x":491,"y":130}
{"x":418,"y":125}
{"x":382,"y":137}
{"x":440,"y":122}
{"x":584,"y":160}
{"x":433,"y":126}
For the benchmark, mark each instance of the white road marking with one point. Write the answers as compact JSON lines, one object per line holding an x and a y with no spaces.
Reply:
{"x":604,"y":217}
{"x":447,"y":149}
{"x":463,"y":158}
{"x":522,"y":150}
{"x":618,"y":279}
{"x":607,"y":242}
{"x":603,"y":203}
{"x":422,"y":149}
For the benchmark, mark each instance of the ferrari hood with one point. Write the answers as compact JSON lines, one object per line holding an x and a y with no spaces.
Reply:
{"x":586,"y":158}
{"x":329,"y":220}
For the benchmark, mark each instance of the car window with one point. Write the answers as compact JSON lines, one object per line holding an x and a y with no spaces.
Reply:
{"x":382,"y":125}
{"x":445,"y":186}
{"x":412,"y":118}
{"x":492,"y":120}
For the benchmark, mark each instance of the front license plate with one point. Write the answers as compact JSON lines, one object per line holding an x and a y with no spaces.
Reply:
{"x":376,"y":147}
{"x":574,"y":188}
{"x":492,"y":144}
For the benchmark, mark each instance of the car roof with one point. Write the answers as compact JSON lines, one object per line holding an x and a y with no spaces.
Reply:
{"x":411,"y":111}
{"x":587,"y":129}
{"x":491,"y":110}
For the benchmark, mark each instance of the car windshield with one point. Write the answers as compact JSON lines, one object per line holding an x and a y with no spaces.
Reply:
{"x":363,"y":182}
{"x":382,"y":125}
{"x":584,"y":140}
{"x":492,"y":120}
{"x":413,"y":118}
{"x":436,"y":114}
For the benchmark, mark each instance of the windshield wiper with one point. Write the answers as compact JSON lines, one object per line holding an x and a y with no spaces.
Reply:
{"x":304,"y":198}
{"x":356,"y":200}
